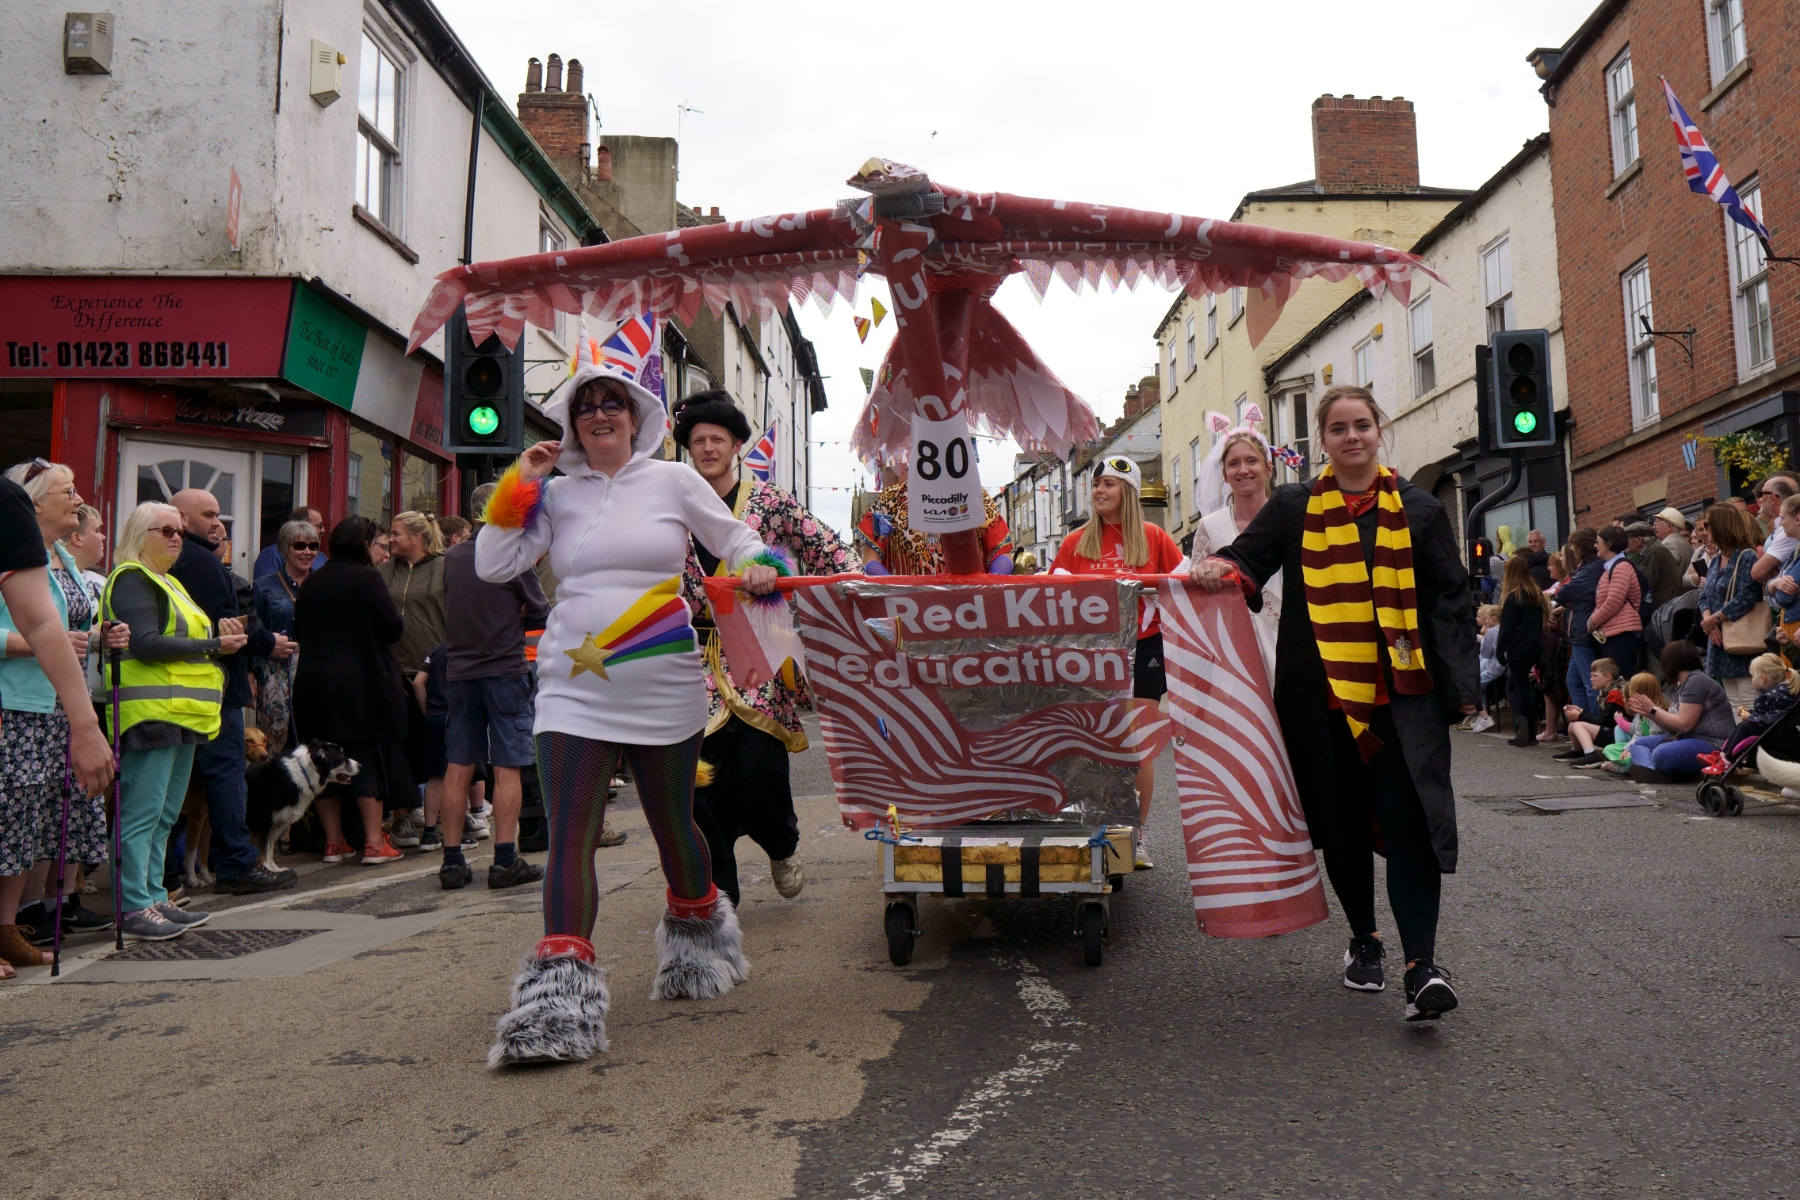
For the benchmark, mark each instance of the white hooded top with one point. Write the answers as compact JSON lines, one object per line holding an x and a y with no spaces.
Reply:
{"x":615,"y":543}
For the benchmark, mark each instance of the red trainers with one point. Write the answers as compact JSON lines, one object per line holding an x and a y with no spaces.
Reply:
{"x":337,"y":852}
{"x":377,"y":853}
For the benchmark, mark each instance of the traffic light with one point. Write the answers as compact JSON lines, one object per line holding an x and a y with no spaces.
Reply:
{"x":1481,"y":556}
{"x":1524,"y":409}
{"x":484,"y":393}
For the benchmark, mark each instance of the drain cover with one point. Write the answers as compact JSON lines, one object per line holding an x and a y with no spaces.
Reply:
{"x":209,"y":943}
{"x":1604,"y":800}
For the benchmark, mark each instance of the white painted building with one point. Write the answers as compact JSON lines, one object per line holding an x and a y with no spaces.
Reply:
{"x":1497,"y":253}
{"x":347,"y":128}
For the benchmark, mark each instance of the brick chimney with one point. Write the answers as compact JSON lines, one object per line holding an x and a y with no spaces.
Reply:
{"x":557,"y":119}
{"x":1149,"y":390}
{"x":1369,"y":145}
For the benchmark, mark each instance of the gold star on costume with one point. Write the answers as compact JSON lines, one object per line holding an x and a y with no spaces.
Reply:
{"x":588,"y":657}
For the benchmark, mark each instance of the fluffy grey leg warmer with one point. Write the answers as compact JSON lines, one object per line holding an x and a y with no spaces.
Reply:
{"x":559,"y":1006}
{"x":698,"y":956}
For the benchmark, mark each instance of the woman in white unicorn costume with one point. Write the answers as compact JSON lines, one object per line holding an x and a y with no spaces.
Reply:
{"x":619,"y":675}
{"x":1233,"y":486}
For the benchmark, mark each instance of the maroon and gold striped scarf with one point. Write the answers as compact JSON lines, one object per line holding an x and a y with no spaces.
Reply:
{"x":1356,"y":612}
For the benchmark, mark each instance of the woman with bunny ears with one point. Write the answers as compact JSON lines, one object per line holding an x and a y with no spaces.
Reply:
{"x":1233,"y":487}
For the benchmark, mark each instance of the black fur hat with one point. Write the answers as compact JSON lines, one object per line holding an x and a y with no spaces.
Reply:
{"x":710,"y":408}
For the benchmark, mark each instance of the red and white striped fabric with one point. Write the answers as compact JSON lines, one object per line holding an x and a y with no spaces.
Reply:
{"x":1250,"y":859}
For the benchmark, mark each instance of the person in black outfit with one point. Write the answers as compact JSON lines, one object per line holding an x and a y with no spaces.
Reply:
{"x":1523,"y":611}
{"x":348,"y":689}
{"x":220,"y":762}
{"x":1386,"y":776}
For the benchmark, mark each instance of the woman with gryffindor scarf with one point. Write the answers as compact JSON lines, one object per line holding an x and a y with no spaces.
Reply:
{"x":1375,"y":659}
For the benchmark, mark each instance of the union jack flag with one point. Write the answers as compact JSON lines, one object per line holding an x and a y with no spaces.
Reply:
{"x":1291,"y":457}
{"x":631,"y":346}
{"x":760,"y":462}
{"x":1704,"y":174}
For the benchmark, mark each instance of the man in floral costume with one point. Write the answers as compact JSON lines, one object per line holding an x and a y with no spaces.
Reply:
{"x":749,"y":731}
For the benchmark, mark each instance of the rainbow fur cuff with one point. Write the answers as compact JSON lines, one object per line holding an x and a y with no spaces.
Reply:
{"x":768,"y":556}
{"x":516,"y":501}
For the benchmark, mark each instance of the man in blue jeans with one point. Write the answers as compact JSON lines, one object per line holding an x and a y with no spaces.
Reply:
{"x":220,"y":762}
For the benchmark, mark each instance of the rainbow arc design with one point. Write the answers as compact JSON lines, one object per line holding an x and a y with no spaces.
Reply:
{"x":656,"y":623}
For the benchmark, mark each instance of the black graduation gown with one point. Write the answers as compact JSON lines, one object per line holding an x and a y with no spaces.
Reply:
{"x":1447,"y":637}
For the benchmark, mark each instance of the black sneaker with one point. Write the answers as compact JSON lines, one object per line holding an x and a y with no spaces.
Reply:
{"x":1362,"y":965}
{"x":455,"y":875}
{"x":1590,"y":760}
{"x":1573,"y":752}
{"x":520,"y":872}
{"x":431,"y":839}
{"x":78,"y":919}
{"x":1428,"y":992}
{"x":255,"y":880}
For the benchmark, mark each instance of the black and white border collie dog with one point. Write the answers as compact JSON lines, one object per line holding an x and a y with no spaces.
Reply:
{"x":278,"y":793}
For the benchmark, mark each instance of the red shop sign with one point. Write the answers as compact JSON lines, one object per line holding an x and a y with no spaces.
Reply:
{"x":85,"y":327}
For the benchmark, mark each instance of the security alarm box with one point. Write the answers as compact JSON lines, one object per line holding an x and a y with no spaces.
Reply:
{"x":87,"y":43}
{"x":325,"y":79}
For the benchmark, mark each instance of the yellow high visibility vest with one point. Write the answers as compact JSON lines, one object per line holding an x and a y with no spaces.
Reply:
{"x":184,"y":692}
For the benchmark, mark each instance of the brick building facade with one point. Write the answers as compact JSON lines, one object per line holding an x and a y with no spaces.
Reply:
{"x":1634,"y":242}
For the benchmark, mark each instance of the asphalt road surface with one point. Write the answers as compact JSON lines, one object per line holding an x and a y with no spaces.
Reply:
{"x":1630,"y":981}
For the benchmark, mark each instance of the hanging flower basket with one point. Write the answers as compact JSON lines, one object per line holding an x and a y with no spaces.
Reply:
{"x":1750,"y":452}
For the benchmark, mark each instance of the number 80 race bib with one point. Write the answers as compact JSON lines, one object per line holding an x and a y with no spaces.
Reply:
{"x":943,"y":486}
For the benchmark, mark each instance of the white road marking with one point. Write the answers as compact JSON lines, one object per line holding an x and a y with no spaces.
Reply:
{"x":1051,"y":1011}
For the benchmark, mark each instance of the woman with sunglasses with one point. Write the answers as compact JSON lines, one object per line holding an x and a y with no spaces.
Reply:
{"x":619,"y":674}
{"x":170,"y":688}
{"x":1118,"y":541}
{"x":272,"y":599}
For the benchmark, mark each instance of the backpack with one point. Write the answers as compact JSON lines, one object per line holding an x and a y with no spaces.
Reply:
{"x":1646,"y":602}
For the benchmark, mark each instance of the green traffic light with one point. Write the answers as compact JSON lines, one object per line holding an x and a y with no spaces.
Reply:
{"x":1525,"y":423}
{"x":484,"y":419}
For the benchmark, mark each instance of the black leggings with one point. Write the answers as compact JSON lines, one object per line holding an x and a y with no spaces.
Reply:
{"x":1381,"y":794}
{"x":1521,"y":698}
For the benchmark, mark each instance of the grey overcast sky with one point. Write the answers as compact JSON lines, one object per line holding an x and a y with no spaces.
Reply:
{"x":1167,"y":106}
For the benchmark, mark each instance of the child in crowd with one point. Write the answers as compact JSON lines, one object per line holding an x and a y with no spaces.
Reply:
{"x":1616,"y":757}
{"x":1777,"y":686}
{"x":1493,"y":674}
{"x":1590,"y":728}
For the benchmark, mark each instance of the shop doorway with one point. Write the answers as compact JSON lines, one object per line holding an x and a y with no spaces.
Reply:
{"x":157,"y":470}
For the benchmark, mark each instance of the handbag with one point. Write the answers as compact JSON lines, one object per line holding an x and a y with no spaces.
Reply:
{"x":1745,"y":635}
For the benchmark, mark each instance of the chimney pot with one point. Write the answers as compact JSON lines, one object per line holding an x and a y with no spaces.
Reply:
{"x":603,"y":163}
{"x":534,"y":76}
{"x":553,"y":79}
{"x":714,"y":212}
{"x":574,"y":76}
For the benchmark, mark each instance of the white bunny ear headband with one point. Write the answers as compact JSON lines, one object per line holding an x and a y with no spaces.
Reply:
{"x":1210,"y":490}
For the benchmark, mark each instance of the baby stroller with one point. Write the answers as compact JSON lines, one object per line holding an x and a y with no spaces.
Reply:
{"x":1777,"y":758}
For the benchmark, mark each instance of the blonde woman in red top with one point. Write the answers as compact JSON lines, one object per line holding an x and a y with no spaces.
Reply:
{"x":1118,"y":541}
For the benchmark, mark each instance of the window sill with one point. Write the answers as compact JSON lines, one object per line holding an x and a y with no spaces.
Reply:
{"x":1210,"y":349}
{"x":1726,"y":84}
{"x":1641,"y":423}
{"x":1631,"y":172}
{"x":1238,"y":316}
{"x":387,"y":235}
